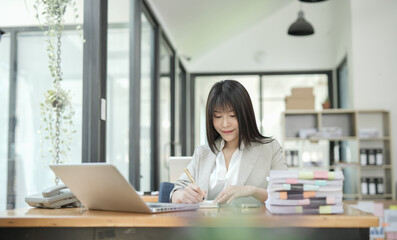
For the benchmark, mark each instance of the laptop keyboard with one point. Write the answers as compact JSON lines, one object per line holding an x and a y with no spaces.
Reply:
{"x":162,"y":205}
{"x":171,"y":206}
{"x":157,"y":205}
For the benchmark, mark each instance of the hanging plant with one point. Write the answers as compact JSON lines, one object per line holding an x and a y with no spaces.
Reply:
{"x":56,"y":110}
{"x":56,"y":123}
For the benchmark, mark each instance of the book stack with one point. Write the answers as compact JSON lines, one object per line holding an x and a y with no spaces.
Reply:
{"x":305,"y":192}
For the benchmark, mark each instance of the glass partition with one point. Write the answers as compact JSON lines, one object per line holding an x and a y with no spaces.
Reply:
{"x":276,"y":87}
{"x":180,"y":112}
{"x":4,"y":102}
{"x":147,"y":65}
{"x":32,"y":173}
{"x":117,"y":124}
{"x":164,"y":132}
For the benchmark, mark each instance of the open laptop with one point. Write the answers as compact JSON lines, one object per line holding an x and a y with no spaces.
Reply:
{"x":177,"y":166}
{"x":101,"y":186}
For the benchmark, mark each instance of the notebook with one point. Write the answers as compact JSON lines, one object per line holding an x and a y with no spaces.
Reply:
{"x":325,"y":209}
{"x":312,"y":182}
{"x":302,"y":187}
{"x":100,"y":186}
{"x":337,"y":175}
{"x":208,"y":204}
{"x":315,"y":201}
{"x":303,"y":195}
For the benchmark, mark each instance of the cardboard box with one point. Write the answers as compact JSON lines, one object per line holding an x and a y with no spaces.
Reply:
{"x":302,"y":92}
{"x":297,"y":103}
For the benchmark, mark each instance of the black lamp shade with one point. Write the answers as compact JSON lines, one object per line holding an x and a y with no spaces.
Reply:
{"x":312,"y":1}
{"x":300,"y":27}
{"x":1,"y":33}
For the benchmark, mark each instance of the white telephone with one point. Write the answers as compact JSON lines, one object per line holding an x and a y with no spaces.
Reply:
{"x":54,"y":197}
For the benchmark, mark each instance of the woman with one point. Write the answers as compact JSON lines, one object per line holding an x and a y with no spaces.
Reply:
{"x":237,"y":159}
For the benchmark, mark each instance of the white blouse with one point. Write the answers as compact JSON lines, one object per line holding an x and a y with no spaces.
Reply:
{"x":221,"y":177}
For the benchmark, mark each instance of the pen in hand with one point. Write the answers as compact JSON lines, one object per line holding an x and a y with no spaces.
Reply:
{"x":190,"y":177}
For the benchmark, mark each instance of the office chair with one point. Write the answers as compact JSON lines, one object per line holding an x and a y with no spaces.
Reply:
{"x":164,"y":191}
{"x":176,"y":166}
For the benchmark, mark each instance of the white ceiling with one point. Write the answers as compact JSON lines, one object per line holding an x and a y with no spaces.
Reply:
{"x":202,"y":29}
{"x":198,"y":26}
{"x":251,"y":35}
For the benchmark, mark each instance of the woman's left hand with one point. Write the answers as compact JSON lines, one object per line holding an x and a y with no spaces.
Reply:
{"x":232,"y":192}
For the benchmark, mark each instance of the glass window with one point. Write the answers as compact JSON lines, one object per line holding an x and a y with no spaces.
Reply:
{"x":4,"y":97}
{"x":165,"y":110}
{"x":203,"y":86}
{"x":33,"y":80}
{"x":147,"y":53}
{"x":179,"y":113}
{"x":274,"y":90}
{"x":276,"y":87}
{"x":117,"y":125}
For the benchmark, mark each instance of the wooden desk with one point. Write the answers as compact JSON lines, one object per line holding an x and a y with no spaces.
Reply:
{"x":81,"y":223}
{"x":150,"y":198}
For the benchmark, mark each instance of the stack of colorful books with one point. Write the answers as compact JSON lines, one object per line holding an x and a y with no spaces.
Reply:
{"x":305,"y":192}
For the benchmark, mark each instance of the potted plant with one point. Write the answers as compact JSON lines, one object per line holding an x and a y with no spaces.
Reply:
{"x":56,"y":109}
{"x":326,"y":104}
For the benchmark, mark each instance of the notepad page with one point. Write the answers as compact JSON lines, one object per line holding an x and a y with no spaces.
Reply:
{"x":208,"y":204}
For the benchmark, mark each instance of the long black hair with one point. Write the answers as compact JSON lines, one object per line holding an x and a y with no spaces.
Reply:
{"x":231,"y":95}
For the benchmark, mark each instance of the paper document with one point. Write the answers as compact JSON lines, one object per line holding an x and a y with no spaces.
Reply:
{"x":208,"y":204}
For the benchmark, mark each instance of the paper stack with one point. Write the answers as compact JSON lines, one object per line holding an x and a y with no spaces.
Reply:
{"x":305,"y":192}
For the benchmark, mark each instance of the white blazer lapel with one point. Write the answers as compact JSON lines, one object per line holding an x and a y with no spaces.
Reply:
{"x":205,"y":169}
{"x":248,"y":160}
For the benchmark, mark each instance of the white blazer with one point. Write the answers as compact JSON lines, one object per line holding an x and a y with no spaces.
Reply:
{"x":256,"y":162}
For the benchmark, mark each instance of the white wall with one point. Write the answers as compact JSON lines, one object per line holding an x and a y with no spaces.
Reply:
{"x":342,"y":42}
{"x":342,"y":30}
{"x":374,"y":58}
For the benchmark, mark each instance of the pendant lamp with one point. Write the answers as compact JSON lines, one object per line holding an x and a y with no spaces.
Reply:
{"x":1,"y":33}
{"x":300,"y":27}
{"x":312,"y":1}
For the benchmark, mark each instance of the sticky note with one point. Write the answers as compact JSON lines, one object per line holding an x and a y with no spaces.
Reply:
{"x":298,"y":209}
{"x":304,"y":202}
{"x":309,"y":194}
{"x":330,"y":200}
{"x":292,"y":180}
{"x":325,"y":209}
{"x":331,"y":175}
{"x":283,"y":195}
{"x":320,"y":174}
{"x":321,"y":183}
{"x":308,"y":187}
{"x":306,"y":175}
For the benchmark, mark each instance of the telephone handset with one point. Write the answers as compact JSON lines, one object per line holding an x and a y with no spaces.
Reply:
{"x":54,"y":197}
{"x":53,"y":191}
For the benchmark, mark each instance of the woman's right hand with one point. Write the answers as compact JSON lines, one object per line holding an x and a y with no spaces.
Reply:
{"x":191,"y":194}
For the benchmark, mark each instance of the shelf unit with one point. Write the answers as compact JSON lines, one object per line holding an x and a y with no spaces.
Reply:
{"x":343,"y":152}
